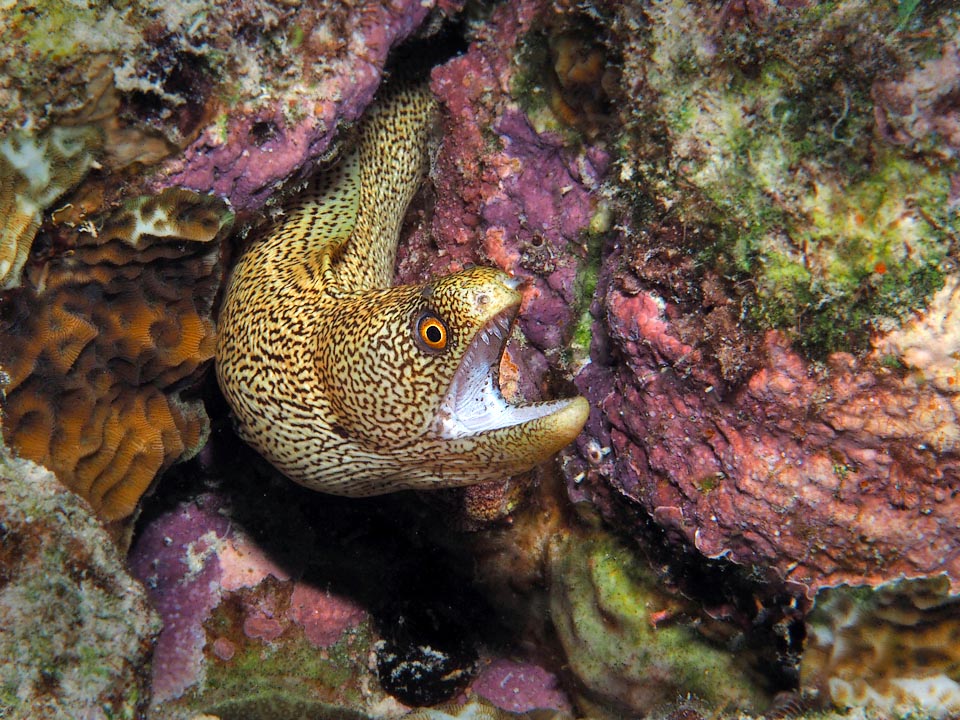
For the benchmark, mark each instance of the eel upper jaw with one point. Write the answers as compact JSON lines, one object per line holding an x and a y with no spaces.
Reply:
{"x":473,"y":403}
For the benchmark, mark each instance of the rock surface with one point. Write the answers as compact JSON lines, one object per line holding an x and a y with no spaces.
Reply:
{"x":78,"y":631}
{"x":737,"y":224}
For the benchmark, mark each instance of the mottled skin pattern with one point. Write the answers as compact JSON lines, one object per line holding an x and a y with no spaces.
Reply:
{"x":323,"y":363}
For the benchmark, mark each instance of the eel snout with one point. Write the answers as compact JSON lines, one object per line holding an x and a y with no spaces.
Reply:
{"x":473,"y":406}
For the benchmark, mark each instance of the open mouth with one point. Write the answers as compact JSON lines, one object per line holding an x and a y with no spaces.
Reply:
{"x":473,"y":403}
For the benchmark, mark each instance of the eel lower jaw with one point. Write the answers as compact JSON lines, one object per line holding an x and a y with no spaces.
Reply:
{"x":474,"y":403}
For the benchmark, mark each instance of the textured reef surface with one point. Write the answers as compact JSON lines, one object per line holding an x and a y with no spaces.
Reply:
{"x":737,"y":223}
{"x":77,"y":628}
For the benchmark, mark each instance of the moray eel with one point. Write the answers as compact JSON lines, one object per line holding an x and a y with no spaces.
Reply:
{"x":350,"y":386}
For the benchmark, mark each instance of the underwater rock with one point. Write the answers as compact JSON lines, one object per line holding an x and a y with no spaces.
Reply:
{"x":175,"y":557}
{"x":891,"y":649}
{"x":476,"y":709}
{"x":519,"y":687}
{"x":632,"y":647}
{"x":767,"y":448}
{"x":830,"y":475}
{"x":311,"y":81}
{"x":756,"y":133}
{"x":101,"y":342}
{"x":226,"y":607}
{"x":249,"y":92}
{"x":77,"y":629}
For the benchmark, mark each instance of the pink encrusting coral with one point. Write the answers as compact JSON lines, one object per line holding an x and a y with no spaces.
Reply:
{"x":176,"y":559}
{"x":220,"y":594}
{"x":324,"y":617}
{"x":519,"y":687}
{"x":254,"y":149}
{"x":834,"y":474}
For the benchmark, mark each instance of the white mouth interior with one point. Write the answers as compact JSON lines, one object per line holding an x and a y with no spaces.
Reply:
{"x":473,"y":403}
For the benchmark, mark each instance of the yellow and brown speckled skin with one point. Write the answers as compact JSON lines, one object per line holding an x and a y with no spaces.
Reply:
{"x":318,"y":357}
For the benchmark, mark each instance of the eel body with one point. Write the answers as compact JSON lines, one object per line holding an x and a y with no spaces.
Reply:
{"x":353,"y":387}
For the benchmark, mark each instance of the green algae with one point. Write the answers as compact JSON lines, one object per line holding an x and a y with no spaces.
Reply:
{"x":585,"y":285}
{"x":291,"y":671}
{"x":767,"y":145}
{"x":626,"y":637}
{"x":53,"y":31}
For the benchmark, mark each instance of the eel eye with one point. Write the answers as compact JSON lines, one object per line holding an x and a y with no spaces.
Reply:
{"x":432,"y":332}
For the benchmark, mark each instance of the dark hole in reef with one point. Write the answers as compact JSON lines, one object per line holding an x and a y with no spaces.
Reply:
{"x":146,"y":105}
{"x":263,"y":132}
{"x":174,"y":72}
{"x":771,"y":615}
{"x":444,"y":38}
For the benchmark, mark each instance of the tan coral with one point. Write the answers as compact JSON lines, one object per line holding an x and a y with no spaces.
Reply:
{"x":892,"y":649}
{"x":930,"y":343}
{"x":35,"y":171}
{"x":102,"y":338}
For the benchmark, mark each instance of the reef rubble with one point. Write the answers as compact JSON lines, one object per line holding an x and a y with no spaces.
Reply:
{"x":737,"y":226}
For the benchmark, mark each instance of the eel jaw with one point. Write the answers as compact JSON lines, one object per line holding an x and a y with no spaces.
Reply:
{"x":473,"y":403}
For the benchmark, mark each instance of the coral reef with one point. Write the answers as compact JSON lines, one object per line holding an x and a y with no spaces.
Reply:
{"x":236,"y":625}
{"x":250,"y":92}
{"x":751,"y":192}
{"x":77,"y":629}
{"x":306,"y":83}
{"x":892,"y":649}
{"x":754,"y":130}
{"x":748,"y":178}
{"x":35,"y":171}
{"x":737,"y":223}
{"x":520,"y":687}
{"x":101,"y":342}
{"x":176,"y":559}
{"x":632,"y":646}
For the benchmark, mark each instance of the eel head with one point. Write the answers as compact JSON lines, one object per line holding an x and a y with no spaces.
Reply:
{"x":411,"y":377}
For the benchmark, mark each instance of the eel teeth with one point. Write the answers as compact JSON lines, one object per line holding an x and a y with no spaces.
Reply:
{"x":473,"y":403}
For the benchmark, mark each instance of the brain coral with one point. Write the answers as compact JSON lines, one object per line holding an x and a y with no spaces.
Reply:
{"x":101,"y":340}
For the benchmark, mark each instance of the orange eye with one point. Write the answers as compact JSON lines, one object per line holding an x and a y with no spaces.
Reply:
{"x":432,"y":332}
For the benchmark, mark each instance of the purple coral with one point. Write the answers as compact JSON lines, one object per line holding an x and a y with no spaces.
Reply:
{"x":176,"y":559}
{"x":323,"y":616}
{"x":258,"y":149}
{"x":519,"y":687}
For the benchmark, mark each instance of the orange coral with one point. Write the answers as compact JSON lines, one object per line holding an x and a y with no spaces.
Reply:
{"x":100,"y":341}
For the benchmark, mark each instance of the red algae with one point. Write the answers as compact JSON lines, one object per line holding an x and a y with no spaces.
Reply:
{"x":324,"y":617}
